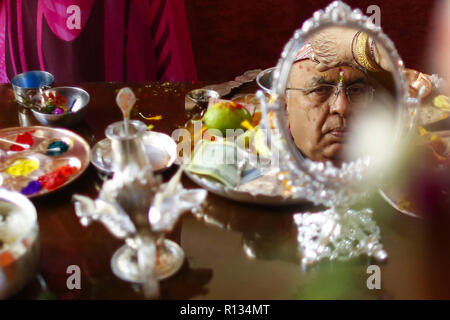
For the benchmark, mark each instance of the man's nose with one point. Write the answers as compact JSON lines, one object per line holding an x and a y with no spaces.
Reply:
{"x":340,"y":104}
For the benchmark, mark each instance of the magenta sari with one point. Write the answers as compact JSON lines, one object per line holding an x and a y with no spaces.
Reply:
{"x":115,"y":40}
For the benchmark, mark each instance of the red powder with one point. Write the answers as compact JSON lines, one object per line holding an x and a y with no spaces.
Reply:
{"x":54,"y":179}
{"x":67,"y":170}
{"x":25,"y":138}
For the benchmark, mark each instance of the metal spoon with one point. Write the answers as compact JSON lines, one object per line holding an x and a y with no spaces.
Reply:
{"x":25,"y":146}
{"x":126,"y":100}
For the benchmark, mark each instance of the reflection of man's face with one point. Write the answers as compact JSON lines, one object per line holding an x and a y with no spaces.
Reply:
{"x":318,"y":119}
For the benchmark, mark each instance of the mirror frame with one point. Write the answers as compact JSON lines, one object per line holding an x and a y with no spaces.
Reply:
{"x":324,"y":182}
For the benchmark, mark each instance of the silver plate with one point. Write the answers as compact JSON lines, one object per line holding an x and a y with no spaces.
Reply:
{"x":124,"y":266}
{"x":243,"y":196}
{"x":393,"y":199}
{"x":78,"y":155}
{"x":161,"y":150}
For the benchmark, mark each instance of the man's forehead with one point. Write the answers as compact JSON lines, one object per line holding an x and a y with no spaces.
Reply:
{"x":305,"y":72}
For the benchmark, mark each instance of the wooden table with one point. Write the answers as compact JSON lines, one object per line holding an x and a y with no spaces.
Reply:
{"x":233,"y":250}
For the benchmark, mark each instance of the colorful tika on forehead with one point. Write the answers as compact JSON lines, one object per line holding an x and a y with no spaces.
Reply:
{"x":341,"y":75}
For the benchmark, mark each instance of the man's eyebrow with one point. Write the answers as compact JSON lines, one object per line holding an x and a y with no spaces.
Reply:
{"x":322,"y":80}
{"x":319,"y":80}
{"x":357,"y":80}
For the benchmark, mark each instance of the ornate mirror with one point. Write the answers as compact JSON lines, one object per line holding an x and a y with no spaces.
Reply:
{"x":339,"y":104}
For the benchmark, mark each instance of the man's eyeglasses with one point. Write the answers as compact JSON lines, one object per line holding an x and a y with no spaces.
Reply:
{"x":359,"y":93}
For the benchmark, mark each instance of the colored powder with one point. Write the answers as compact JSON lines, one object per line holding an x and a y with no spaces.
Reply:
{"x":57,"y":148}
{"x":31,"y":188}
{"x":22,"y":167}
{"x":54,"y":179}
{"x":67,"y":170}
{"x":341,"y":75}
{"x":25,"y":138}
{"x":58,"y":111}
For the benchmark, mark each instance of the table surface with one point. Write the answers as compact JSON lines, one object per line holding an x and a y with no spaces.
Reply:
{"x":233,"y":250}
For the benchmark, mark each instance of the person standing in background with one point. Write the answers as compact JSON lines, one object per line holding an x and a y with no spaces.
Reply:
{"x":96,"y":40}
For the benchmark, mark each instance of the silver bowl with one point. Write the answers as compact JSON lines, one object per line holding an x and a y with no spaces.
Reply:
{"x":161,"y":150}
{"x":202,"y":96}
{"x":264,"y":79}
{"x":77,"y":100}
{"x":27,"y":86}
{"x":19,"y":259}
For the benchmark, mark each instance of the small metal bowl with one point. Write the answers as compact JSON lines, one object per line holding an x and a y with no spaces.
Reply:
{"x":201,"y":96}
{"x":77,"y":100}
{"x":160,"y":148}
{"x":18,"y":260}
{"x":264,"y":79}
{"x":27,"y":86}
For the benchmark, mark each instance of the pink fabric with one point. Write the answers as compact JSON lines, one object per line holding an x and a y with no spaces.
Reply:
{"x":166,"y":51}
{"x":3,"y":75}
{"x":11,"y":50}
{"x":40,"y":16}
{"x":113,"y":39}
{"x":183,"y":60}
{"x":142,"y":40}
{"x":55,"y":12}
{"x":171,"y":36}
{"x":305,"y":52}
{"x":140,"y":49}
{"x":20,"y":36}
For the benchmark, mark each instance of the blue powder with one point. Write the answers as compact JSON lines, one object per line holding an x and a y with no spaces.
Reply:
{"x":59,"y":147}
{"x":31,"y":188}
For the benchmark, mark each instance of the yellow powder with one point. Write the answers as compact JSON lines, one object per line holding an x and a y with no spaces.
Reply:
{"x":22,"y":167}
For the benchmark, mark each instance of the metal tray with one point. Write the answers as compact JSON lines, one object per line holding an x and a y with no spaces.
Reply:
{"x":244,"y":196}
{"x":78,"y":155}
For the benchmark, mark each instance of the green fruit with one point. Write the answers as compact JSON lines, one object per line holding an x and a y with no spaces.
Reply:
{"x":226,"y":115}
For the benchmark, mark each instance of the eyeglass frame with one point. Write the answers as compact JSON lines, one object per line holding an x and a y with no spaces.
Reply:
{"x":337,"y":90}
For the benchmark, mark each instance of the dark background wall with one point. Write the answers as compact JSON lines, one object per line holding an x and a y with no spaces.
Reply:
{"x":232,"y":36}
